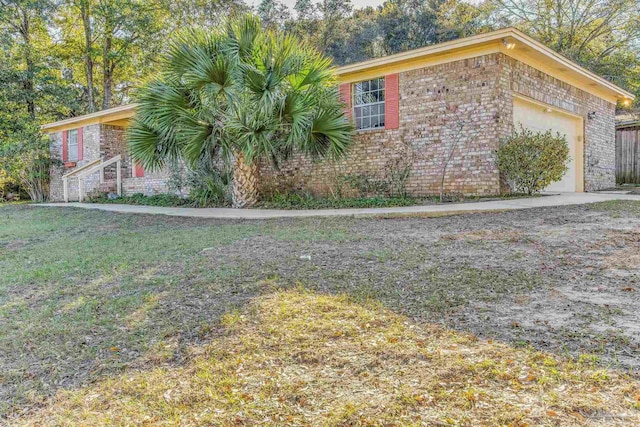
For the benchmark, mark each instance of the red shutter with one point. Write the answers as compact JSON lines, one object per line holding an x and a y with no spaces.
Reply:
{"x":392,"y":101}
{"x":345,"y":96}
{"x":80,"y":144}
{"x":65,"y":145}
{"x":138,"y":170}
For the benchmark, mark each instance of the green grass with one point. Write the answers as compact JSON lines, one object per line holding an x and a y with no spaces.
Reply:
{"x":164,"y":200}
{"x":307,"y":201}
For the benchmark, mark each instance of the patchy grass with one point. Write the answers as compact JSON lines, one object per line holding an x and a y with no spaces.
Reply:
{"x":90,"y":298}
{"x":299,"y":358}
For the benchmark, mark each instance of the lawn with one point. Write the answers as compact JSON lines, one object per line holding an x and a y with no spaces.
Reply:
{"x":514,"y":318}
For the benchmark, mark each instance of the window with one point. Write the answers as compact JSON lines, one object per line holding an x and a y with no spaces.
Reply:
{"x":73,"y":145}
{"x":369,"y":104}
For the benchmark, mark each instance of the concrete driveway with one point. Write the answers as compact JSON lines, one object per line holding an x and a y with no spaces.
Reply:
{"x":562,"y":199}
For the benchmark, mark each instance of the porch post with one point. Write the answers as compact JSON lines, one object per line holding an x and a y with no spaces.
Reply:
{"x":119,"y":177}
{"x":101,"y":172}
{"x":80,"y":189}
{"x":65,"y":189}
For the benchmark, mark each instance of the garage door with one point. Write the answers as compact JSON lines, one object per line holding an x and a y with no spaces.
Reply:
{"x":539,"y":117}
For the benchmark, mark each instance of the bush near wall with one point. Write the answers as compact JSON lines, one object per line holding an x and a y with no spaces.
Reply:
{"x":530,"y":161}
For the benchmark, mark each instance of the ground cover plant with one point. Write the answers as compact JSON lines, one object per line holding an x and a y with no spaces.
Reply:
{"x":526,"y":317}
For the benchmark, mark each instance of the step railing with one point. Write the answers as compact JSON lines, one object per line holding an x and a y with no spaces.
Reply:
{"x":89,"y":169}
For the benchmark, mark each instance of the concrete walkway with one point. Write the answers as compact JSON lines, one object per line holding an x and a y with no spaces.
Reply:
{"x":509,"y":204}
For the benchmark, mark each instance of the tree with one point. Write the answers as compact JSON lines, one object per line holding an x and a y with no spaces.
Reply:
{"x":244,"y":94}
{"x":202,"y":13}
{"x":27,"y":162}
{"x":125,"y":26}
{"x":273,"y":13}
{"x":532,"y":161}
{"x":31,"y":92}
{"x":603,"y":36}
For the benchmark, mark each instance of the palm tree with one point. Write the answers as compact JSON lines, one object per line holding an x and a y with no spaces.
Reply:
{"x":243,"y":94}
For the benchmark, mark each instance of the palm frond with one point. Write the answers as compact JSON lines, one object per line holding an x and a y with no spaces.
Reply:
{"x":331,"y":134}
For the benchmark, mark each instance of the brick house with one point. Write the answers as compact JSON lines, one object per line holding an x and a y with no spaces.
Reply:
{"x":415,"y":110}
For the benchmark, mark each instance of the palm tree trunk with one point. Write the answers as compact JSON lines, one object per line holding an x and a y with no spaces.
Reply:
{"x":245,"y":183}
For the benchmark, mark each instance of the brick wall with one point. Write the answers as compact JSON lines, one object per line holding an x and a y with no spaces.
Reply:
{"x":462,"y":109}
{"x":90,"y":152}
{"x":113,"y":142}
{"x":599,"y":131}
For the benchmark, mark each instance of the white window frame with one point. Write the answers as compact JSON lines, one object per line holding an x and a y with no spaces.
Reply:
{"x":72,"y":135}
{"x":379,"y":105}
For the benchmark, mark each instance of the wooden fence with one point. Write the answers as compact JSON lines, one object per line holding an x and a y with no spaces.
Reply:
{"x":628,"y":155}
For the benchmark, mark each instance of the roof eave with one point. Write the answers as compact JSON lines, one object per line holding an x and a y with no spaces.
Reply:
{"x":479,"y":39}
{"x":97,"y":117}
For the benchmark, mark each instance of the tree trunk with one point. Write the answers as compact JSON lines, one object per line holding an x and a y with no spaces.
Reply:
{"x":107,"y":64}
{"x":28,"y":84}
{"x":245,"y":183}
{"x":88,"y":59}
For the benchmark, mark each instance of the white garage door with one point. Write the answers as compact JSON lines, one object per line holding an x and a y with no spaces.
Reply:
{"x":538,"y":117}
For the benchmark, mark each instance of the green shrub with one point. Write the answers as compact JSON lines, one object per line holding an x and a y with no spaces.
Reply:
{"x":210,"y":186}
{"x":533,"y":160}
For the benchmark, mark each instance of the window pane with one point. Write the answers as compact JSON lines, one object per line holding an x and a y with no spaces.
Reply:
{"x":358,"y":112}
{"x":72,"y":144}
{"x":369,"y":104}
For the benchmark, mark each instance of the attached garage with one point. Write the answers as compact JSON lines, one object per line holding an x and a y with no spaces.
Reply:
{"x":540,"y":117}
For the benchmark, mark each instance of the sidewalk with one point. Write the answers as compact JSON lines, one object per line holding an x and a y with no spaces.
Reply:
{"x":564,"y":199}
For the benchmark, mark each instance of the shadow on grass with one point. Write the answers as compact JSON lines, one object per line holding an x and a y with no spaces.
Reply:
{"x":86,"y":295}
{"x":300,"y":358}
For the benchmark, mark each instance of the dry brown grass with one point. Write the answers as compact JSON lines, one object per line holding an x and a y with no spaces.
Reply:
{"x":299,"y":358}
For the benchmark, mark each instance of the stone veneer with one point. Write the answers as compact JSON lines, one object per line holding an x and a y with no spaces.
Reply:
{"x":467,"y":104}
